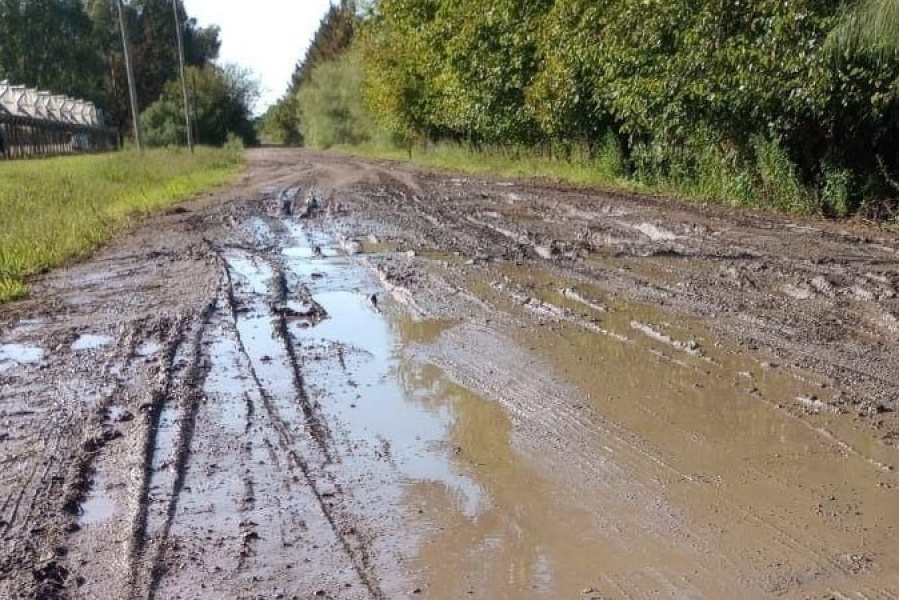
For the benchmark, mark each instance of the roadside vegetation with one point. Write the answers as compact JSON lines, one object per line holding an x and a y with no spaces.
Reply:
{"x":779,"y":106}
{"x":74,"y":47}
{"x":61,"y":209}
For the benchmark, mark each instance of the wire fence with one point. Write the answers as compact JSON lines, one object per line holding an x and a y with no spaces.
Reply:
{"x":35,"y":123}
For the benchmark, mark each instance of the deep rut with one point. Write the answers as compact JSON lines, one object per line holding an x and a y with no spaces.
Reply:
{"x":314,"y":469}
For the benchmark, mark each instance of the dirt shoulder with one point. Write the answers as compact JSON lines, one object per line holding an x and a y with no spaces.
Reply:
{"x":353,"y":379}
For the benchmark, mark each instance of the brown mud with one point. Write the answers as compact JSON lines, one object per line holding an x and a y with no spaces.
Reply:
{"x":351,"y":379}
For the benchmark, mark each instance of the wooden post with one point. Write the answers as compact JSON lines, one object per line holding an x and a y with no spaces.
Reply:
{"x":129,"y":68}
{"x":190,"y":135}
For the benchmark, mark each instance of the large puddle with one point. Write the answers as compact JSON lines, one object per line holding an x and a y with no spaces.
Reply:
{"x":353,"y":366}
{"x":494,"y":500}
{"x":606,"y":452}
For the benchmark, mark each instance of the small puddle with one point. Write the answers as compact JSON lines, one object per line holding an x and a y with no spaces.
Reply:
{"x":149,"y":348}
{"x":97,"y":509}
{"x":19,"y":354}
{"x":98,"y":506}
{"x":90,"y":341}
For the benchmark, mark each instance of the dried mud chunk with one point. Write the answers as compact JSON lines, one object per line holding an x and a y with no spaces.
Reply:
{"x":50,"y":574}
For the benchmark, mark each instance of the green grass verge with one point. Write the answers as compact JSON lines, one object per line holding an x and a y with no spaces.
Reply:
{"x":769,"y":184}
{"x":57,"y":210}
{"x":602,"y":171}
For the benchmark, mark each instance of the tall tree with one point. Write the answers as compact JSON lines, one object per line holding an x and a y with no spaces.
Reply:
{"x":334,"y":36}
{"x":155,"y":54}
{"x":49,"y":44}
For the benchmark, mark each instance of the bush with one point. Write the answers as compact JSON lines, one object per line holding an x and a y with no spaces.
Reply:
{"x":331,"y":108}
{"x":220,"y":104}
{"x":162,"y":124}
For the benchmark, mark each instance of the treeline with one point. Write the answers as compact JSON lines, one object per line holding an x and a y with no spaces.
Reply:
{"x":791,"y":105}
{"x":284,"y":122}
{"x":74,"y":47}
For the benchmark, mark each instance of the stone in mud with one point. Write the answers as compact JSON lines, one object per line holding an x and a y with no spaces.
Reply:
{"x":546,"y":251}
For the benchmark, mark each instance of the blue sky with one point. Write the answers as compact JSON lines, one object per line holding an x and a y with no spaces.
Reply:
{"x":266,"y":36}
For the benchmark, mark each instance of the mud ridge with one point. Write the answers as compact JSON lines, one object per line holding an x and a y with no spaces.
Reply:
{"x":152,"y":409}
{"x":190,"y":398}
{"x":356,"y":551}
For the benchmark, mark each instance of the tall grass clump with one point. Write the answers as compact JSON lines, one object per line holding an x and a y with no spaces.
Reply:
{"x":836,"y":191}
{"x":56,"y":210}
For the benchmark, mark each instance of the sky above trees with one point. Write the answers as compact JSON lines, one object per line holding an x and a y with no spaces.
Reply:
{"x":266,"y":36}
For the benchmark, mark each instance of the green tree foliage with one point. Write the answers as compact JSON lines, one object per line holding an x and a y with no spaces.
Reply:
{"x":74,"y":47}
{"x":49,"y":44}
{"x":221,"y":100}
{"x":280,"y":124}
{"x":155,"y":55}
{"x":332,"y":38}
{"x":745,"y":87}
{"x":332,"y":111}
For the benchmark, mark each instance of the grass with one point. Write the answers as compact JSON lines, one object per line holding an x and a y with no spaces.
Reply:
{"x":57,"y":210}
{"x":603,"y":170}
{"x":767,"y":182}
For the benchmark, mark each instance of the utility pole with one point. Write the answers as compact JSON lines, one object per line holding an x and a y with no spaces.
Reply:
{"x":190,"y":135}
{"x":129,"y":68}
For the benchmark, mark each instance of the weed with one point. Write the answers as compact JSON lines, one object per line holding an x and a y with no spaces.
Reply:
{"x":835,"y":200}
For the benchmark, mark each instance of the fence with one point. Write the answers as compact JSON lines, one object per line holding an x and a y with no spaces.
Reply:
{"x":36,"y":123}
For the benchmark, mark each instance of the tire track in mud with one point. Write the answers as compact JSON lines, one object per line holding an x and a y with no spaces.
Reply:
{"x":353,"y":546}
{"x":317,"y":425}
{"x":100,"y":433}
{"x":471,"y":371}
{"x":46,"y":508}
{"x":192,"y":386}
{"x":701,"y":246}
{"x":181,"y":395}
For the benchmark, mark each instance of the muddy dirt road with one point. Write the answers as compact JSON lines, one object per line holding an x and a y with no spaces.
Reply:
{"x":425,"y":386}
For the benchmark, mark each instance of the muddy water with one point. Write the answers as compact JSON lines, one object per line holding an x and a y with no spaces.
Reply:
{"x":540,"y":440}
{"x":726,"y":450}
{"x":388,"y":436}
{"x":454,"y":507}
{"x":19,"y":354}
{"x":608,"y":451}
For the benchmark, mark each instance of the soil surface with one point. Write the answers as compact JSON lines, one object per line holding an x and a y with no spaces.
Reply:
{"x":352,"y":379}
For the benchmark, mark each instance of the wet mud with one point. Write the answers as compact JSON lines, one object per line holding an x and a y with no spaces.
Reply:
{"x":347,"y":379}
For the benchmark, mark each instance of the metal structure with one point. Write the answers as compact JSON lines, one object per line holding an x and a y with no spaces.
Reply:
{"x":38,"y":123}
